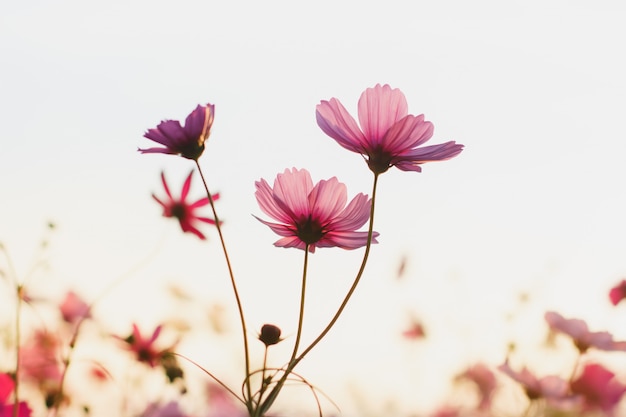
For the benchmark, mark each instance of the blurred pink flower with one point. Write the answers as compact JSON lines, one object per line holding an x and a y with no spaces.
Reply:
{"x":221,"y":403}
{"x":144,"y":348}
{"x":552,"y":388}
{"x":187,"y":141}
{"x":314,"y":215}
{"x":182,"y":210}
{"x":6,"y":408}
{"x":618,"y":293}
{"x":598,"y":388}
{"x":40,"y":360}
{"x":388,"y":135}
{"x":581,"y":336}
{"x":485,"y":381}
{"x":170,"y":409}
{"x":73,"y":308}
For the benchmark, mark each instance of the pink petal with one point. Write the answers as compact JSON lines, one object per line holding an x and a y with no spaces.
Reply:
{"x":327,"y":199}
{"x":379,"y":109}
{"x":337,"y":123}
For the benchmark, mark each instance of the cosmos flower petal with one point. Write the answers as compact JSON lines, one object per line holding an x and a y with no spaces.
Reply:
{"x":268,"y":204}
{"x":407,"y":133}
{"x":356,"y":213}
{"x":291,"y":189}
{"x":333,"y":118}
{"x":327,"y":199}
{"x":412,"y":160}
{"x":380,"y":108}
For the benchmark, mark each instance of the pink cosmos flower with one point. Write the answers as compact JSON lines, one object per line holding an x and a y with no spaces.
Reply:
{"x":485,"y":381}
{"x":144,"y":348}
{"x":6,"y":409}
{"x":170,"y":409}
{"x":182,"y":210}
{"x":40,"y":360}
{"x":552,"y":388}
{"x":388,"y":135}
{"x":313,"y":215}
{"x":581,"y":336}
{"x":73,"y":308}
{"x":187,"y":141}
{"x":618,"y":293}
{"x":598,"y":388}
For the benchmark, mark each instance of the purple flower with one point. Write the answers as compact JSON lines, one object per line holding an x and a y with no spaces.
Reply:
{"x":187,"y":141}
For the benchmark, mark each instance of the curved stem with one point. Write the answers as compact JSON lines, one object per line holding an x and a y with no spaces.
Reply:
{"x":295,"y":360}
{"x":235,"y":291}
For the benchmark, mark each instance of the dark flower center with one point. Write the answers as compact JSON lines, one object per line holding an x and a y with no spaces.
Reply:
{"x":191,"y":150}
{"x":309,"y":230}
{"x":179,"y":211}
{"x":379,"y":160}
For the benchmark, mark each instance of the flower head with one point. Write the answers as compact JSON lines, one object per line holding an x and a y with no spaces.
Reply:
{"x":551,"y":387}
{"x":598,"y":388}
{"x":581,"y":336}
{"x":618,"y":293}
{"x":73,"y":308}
{"x":485,"y":381}
{"x":187,"y":141}
{"x":6,"y":409}
{"x":144,"y":347}
{"x":388,"y":135}
{"x":313,"y":215}
{"x":182,"y":210}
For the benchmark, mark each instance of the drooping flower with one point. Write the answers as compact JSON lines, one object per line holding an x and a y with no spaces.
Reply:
{"x":182,"y":210}
{"x":388,"y":135}
{"x":187,"y":141}
{"x":552,"y":387}
{"x":144,"y":348}
{"x":73,"y":308}
{"x":618,"y":293}
{"x":313,"y":215}
{"x":6,"y":408}
{"x":581,"y":336}
{"x":598,"y":388}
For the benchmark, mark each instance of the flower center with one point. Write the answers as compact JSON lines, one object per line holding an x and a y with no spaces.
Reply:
{"x":179,"y":211}
{"x":379,"y":160}
{"x":309,"y":230}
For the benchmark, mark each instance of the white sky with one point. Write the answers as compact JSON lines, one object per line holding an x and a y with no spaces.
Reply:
{"x":535,"y":90}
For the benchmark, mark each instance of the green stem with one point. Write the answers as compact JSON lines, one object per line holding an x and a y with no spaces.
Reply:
{"x":295,"y":360}
{"x":236,"y":292}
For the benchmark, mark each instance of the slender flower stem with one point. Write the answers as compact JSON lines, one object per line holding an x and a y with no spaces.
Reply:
{"x":235,"y":291}
{"x":16,"y":379}
{"x":302,"y":295}
{"x":295,"y":360}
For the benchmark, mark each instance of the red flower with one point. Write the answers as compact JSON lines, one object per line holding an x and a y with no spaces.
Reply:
{"x":388,"y":135}
{"x":144,"y":348}
{"x":182,"y":210}
{"x":187,"y":141}
{"x":598,"y":388}
{"x":314,"y":215}
{"x":618,"y":293}
{"x":6,"y":409}
{"x":581,"y":336}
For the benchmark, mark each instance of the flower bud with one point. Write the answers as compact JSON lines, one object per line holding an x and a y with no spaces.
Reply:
{"x":270,"y":334}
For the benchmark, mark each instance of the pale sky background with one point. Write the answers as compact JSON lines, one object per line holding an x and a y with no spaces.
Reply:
{"x":535,"y":204}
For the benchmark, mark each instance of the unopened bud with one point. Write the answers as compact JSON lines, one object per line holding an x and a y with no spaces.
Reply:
{"x":270,"y":334}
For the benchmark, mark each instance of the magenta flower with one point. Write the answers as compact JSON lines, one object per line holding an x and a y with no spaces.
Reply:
{"x":485,"y":381}
{"x":618,"y":293}
{"x":187,"y":141}
{"x":316,"y":216}
{"x":598,"y":388}
{"x":144,"y":347}
{"x":581,"y":336}
{"x":6,"y":408}
{"x":182,"y":210}
{"x":388,"y":135}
